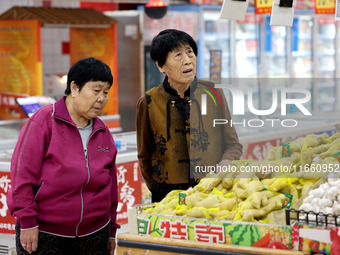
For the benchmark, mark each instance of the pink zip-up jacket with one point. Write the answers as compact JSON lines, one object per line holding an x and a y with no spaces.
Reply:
{"x":53,"y":185}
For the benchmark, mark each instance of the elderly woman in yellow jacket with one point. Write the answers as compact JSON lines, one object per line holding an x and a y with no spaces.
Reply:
{"x":174,"y":139}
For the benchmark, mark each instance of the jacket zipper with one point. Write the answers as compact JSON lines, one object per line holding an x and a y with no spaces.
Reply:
{"x":88,"y":175}
{"x":81,"y":194}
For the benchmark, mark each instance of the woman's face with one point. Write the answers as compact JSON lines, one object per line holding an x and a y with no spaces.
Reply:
{"x":90,"y":101}
{"x":180,"y":66}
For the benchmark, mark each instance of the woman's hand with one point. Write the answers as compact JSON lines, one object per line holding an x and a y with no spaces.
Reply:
{"x":29,"y":239}
{"x":224,"y":163}
{"x":112,"y":246}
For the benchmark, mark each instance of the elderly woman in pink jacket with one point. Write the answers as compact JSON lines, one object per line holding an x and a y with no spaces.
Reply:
{"x":64,"y":183}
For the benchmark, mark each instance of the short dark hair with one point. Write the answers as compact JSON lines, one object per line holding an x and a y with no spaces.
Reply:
{"x":167,"y":41}
{"x":88,"y":69}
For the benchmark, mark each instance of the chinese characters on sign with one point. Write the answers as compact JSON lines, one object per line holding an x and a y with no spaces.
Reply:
{"x":209,"y":233}
{"x":20,"y":63}
{"x":7,"y":222}
{"x":144,"y":226}
{"x":129,"y":189}
{"x":20,"y":58}
{"x":174,"y":230}
{"x":8,"y":102}
{"x":99,"y":43}
{"x":203,"y":232}
{"x":263,"y":6}
{"x":324,"y":6}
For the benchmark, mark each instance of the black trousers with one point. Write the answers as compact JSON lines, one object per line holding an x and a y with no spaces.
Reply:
{"x":48,"y":244}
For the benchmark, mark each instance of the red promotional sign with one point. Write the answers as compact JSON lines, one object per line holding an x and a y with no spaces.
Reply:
{"x":129,"y":189}
{"x":258,"y":150}
{"x":99,"y":43}
{"x":7,"y":222}
{"x":7,"y":101}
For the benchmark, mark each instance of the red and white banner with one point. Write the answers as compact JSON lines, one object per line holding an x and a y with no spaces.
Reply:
{"x":129,"y":189}
{"x":7,"y":222}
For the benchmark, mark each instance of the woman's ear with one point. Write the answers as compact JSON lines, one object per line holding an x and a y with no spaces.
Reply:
{"x":74,"y":88}
{"x":160,"y":68}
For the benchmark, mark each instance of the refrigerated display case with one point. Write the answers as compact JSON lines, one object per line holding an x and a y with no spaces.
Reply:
{"x":325,"y":46}
{"x":247,"y":47}
{"x":325,"y":63}
{"x":302,"y":47}
{"x":276,"y":50}
{"x":304,"y":55}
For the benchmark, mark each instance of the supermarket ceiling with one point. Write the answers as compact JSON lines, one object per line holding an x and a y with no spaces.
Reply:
{"x":50,"y":15}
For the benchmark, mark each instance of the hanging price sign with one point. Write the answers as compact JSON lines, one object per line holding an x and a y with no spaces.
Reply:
{"x":263,"y":6}
{"x":324,"y":6}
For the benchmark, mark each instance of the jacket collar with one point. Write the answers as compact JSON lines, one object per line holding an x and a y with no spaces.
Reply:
{"x":60,"y":112}
{"x":171,"y":91}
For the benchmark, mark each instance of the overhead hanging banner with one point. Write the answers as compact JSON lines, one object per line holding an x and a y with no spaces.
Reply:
{"x":99,"y":43}
{"x":20,"y":60}
{"x":324,"y":6}
{"x":263,"y":6}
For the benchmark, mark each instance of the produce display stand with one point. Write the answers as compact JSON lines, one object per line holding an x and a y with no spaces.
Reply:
{"x":164,"y":228}
{"x":137,"y":245}
{"x":318,"y":232}
{"x":171,"y":234}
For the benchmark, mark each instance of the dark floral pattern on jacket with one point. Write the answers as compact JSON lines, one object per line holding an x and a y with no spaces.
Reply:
{"x":199,"y":140}
{"x":160,"y":148}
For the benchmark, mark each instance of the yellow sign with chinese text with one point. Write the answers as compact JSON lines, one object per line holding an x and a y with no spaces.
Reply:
{"x":324,"y":6}
{"x":20,"y":61}
{"x":20,"y":58}
{"x":263,"y":6}
{"x":99,"y":43}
